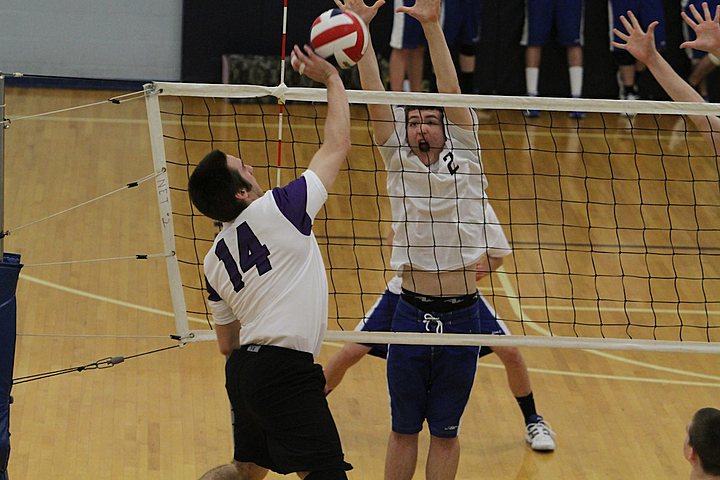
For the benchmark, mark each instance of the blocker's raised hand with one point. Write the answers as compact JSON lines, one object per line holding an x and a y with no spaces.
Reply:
{"x":638,"y":43}
{"x":366,"y":12}
{"x":423,"y":11}
{"x":706,"y":28}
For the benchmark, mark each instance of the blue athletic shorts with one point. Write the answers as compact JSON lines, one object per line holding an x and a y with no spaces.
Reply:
{"x":461,"y":22}
{"x":379,"y":319}
{"x":406,"y":31}
{"x":646,"y":11}
{"x":426,"y":382}
{"x":567,"y":15}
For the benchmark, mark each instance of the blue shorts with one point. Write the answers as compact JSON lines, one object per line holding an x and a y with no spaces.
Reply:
{"x":688,"y":32}
{"x":406,"y":31}
{"x":567,"y":15}
{"x":461,"y":22}
{"x":427,"y":382}
{"x":379,"y":319}
{"x":646,"y":11}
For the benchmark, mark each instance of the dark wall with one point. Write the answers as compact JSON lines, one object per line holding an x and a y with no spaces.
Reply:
{"x":213,"y":28}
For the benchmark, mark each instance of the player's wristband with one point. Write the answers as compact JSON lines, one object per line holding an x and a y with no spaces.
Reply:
{"x":715,"y":60}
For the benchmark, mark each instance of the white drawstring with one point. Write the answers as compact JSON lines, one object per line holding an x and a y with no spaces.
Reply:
{"x":428,"y":319}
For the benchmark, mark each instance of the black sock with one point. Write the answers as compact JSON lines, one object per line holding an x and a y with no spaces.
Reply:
{"x":466,"y":82}
{"x":527,"y":405}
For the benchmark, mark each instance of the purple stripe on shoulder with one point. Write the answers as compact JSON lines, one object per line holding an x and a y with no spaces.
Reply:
{"x":212,"y":294}
{"x":292,"y":202}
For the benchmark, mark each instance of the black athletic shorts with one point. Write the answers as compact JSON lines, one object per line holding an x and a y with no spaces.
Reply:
{"x":282,"y":419}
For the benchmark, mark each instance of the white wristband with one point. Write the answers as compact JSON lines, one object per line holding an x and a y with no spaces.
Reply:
{"x":715,"y":60}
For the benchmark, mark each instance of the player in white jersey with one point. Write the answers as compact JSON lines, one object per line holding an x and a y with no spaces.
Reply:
{"x":538,"y":433}
{"x":436,"y":189}
{"x":259,"y":272}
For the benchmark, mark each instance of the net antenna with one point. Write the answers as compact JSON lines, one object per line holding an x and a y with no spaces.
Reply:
{"x":612,"y":219}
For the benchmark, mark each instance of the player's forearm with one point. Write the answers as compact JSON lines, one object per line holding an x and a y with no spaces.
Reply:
{"x":678,"y":89}
{"x":370,"y":79}
{"x":495,"y":262}
{"x":228,"y":337}
{"x":681,"y":91}
{"x":337,"y":123}
{"x":446,"y":76}
{"x":369,"y":70}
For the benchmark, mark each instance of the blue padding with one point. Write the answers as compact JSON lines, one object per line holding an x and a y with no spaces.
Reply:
{"x":9,"y":272}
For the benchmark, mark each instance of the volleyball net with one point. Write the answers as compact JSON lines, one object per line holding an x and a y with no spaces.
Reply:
{"x":612,"y":218}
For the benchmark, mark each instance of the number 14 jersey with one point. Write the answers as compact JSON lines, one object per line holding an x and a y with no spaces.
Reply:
{"x":265,"y":269}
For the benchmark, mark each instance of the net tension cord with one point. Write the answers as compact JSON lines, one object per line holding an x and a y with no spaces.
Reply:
{"x":103,"y":363}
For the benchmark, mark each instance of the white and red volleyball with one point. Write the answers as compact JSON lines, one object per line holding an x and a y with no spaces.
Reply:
{"x":341,"y":35}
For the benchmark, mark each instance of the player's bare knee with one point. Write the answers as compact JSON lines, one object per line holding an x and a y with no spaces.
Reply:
{"x":509,"y":356}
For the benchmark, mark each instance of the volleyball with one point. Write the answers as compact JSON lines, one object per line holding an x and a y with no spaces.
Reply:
{"x":341,"y":35}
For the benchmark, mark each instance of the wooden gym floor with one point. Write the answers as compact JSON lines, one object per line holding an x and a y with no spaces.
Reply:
{"x":618,"y":415}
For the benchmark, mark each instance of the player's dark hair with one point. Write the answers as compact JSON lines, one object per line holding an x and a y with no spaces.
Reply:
{"x":212,"y":188}
{"x":410,"y":108}
{"x":704,"y":438}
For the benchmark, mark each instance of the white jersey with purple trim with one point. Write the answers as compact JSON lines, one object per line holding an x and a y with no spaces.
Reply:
{"x":438,"y":210}
{"x":265,"y":269}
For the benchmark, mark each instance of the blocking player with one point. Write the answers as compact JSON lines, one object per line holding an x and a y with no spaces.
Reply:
{"x":538,"y":433}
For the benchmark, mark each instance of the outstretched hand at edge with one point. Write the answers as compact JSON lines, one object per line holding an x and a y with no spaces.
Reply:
{"x":706,"y":28}
{"x":638,"y":43}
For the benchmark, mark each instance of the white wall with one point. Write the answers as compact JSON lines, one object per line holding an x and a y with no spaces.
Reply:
{"x":106,"y":39}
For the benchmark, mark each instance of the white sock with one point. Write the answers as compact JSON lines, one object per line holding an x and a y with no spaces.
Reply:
{"x":576,"y":81}
{"x":531,"y":80}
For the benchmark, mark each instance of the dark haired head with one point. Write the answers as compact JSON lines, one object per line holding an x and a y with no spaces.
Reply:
{"x":213,"y":185}
{"x":410,"y":108}
{"x":704,"y":438}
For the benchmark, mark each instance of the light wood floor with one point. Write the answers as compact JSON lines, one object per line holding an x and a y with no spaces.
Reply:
{"x":618,"y":415}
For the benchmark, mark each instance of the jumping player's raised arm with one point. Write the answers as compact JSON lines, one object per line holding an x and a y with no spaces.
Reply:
{"x":370,"y":79}
{"x":336,"y":144}
{"x":641,"y":45}
{"x":427,"y":12}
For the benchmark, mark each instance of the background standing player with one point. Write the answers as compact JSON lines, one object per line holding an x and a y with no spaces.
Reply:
{"x":567,"y":17}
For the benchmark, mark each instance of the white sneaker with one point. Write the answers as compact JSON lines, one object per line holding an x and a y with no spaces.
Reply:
{"x":540,"y":436}
{"x":632,"y":96}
